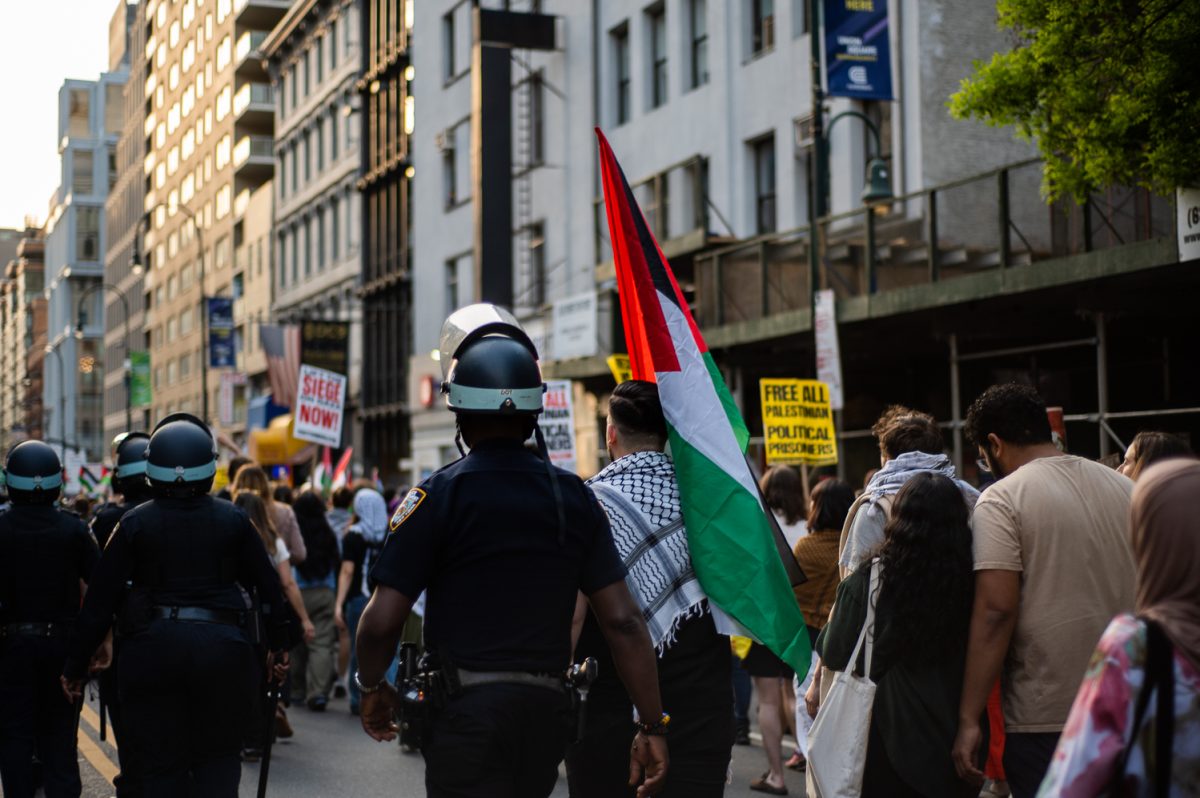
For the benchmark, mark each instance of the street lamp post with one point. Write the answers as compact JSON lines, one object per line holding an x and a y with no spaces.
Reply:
{"x":80,"y":318}
{"x":203,"y":305}
{"x":51,"y":349}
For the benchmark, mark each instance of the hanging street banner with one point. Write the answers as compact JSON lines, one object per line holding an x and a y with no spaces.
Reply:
{"x":140,"y":393}
{"x":857,"y":52}
{"x":326,"y":345}
{"x":558,"y":424}
{"x":225,"y":396}
{"x":320,"y":406}
{"x":222,"y":353}
{"x":829,"y":357}
{"x":798,"y":422}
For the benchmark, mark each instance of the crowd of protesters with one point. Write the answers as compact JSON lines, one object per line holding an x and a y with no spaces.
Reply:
{"x":1038,"y":638}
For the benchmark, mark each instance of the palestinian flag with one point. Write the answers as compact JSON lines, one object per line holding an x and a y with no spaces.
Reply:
{"x":730,"y":537}
{"x":341,"y":474}
{"x":322,"y":477}
{"x":90,"y":484}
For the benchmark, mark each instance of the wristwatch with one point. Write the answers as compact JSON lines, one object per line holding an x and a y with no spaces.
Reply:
{"x":657,"y":729}
{"x":362,"y":688}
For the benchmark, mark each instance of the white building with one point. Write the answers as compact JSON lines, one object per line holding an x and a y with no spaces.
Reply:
{"x":314,"y":61}
{"x":707,"y":105}
{"x":90,"y":118}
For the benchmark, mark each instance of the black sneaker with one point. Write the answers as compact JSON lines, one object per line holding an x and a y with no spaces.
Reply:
{"x":251,"y":755}
{"x":741,"y":735}
{"x":317,"y":703}
{"x":339,"y":690}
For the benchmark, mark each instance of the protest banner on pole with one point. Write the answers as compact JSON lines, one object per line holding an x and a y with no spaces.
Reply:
{"x":558,"y":424}
{"x":320,"y":406}
{"x":797,"y":422}
{"x":829,"y":356}
{"x":620,"y":368}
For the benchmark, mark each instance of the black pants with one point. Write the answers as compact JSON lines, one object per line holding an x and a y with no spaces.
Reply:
{"x":700,"y":743}
{"x":1027,"y":757}
{"x":185,"y":689}
{"x":497,"y":741}
{"x":36,"y":719}
{"x":128,"y":782}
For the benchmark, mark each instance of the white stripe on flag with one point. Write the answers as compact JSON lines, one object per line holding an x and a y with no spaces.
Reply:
{"x":692,"y":406}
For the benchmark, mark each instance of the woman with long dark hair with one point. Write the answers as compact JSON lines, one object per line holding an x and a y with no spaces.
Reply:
{"x":922,"y":612}
{"x":313,"y":662}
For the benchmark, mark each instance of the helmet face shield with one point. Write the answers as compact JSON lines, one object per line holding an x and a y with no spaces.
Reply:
{"x":489,"y":364}
{"x":475,"y":321}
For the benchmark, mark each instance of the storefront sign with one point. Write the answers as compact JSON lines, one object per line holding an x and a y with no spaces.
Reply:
{"x":222,"y":353}
{"x":574,"y":326}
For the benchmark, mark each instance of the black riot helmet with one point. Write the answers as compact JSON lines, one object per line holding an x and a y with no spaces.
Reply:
{"x":489,"y":364}
{"x":33,"y":473}
{"x":181,"y":459}
{"x":129,"y":478}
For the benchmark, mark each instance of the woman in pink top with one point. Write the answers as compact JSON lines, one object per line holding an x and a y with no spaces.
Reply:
{"x":1104,"y":750}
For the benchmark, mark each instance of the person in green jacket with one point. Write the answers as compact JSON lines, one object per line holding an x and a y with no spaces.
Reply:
{"x":923,"y":610}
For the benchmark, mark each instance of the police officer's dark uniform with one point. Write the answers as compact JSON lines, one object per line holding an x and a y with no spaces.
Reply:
{"x":187,"y":672}
{"x":44,"y":553}
{"x":502,"y":558}
{"x":129,"y":480}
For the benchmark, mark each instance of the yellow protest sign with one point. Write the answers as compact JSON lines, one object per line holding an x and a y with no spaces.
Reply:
{"x":620,"y":368}
{"x":798,"y":422}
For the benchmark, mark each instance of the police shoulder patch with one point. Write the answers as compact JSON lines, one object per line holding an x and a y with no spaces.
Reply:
{"x":411,"y":502}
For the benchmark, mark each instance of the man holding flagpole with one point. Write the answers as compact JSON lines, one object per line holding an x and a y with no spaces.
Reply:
{"x":640,"y":495}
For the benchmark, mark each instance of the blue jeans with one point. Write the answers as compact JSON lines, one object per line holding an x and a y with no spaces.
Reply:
{"x":352,"y":612}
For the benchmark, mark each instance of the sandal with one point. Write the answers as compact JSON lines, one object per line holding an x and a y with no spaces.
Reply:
{"x":762,"y":785}
{"x":797,"y":762}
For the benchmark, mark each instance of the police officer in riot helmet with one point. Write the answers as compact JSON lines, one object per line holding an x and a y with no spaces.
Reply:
{"x":130,"y":483}
{"x":44,"y":555}
{"x":502,"y":542}
{"x":173,"y":574}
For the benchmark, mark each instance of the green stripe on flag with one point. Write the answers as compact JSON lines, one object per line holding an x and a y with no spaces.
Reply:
{"x":731,"y":409}
{"x":733,"y":552}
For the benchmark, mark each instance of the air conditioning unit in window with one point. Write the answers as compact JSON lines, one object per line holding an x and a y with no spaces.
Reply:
{"x":444,"y":141}
{"x":802,"y":132}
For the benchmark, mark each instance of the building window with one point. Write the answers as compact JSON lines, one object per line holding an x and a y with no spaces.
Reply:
{"x":294,"y":80}
{"x":304,"y":69}
{"x":451,"y":285}
{"x":308,"y":246}
{"x":335,"y":223}
{"x":449,"y":169}
{"x":620,"y":40}
{"x":537,"y":264}
{"x":81,"y":172}
{"x":307,"y":156}
{"x":282,"y":173}
{"x":762,"y":25}
{"x":295,"y":167}
{"x":800,"y":17}
{"x":537,"y":119}
{"x":87,"y":233}
{"x":320,"y":145}
{"x":657,"y":19}
{"x":320,"y":239}
{"x":333,"y":134}
{"x":698,"y":19}
{"x":764,"y":184}
{"x":448,"y":70}
{"x":320,"y":55}
{"x":295,"y":254}
{"x":333,"y":37}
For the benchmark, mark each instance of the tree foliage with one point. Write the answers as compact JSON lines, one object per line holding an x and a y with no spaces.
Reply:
{"x":1109,"y":90}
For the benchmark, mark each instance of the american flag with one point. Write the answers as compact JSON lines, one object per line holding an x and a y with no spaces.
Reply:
{"x":281,"y":342}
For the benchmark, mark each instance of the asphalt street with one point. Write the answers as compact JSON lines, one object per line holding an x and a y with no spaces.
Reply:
{"x":331,"y":756}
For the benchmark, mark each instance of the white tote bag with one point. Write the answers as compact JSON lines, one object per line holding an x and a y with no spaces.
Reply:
{"x":837,"y":741}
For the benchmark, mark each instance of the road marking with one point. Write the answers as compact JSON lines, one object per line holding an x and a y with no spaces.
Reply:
{"x":93,"y":720}
{"x":91,"y":751}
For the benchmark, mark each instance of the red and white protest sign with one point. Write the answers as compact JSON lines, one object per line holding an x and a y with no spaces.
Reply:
{"x":320,"y":406}
{"x":558,"y":423}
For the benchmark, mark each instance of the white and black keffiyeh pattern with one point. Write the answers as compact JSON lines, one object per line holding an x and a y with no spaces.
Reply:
{"x":640,"y":494}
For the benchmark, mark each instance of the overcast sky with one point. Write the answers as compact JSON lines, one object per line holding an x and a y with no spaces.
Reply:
{"x":44,"y":42}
